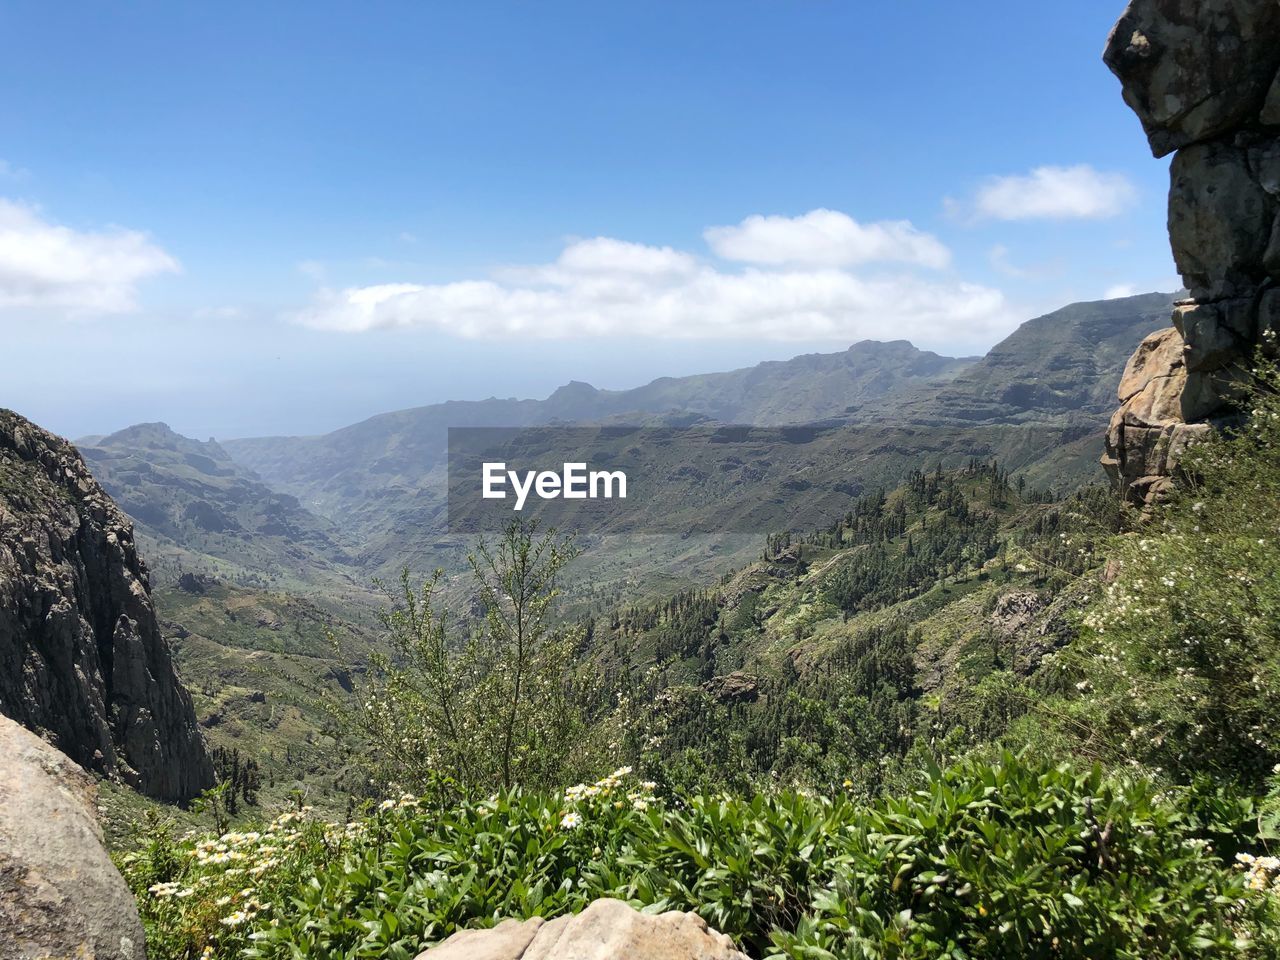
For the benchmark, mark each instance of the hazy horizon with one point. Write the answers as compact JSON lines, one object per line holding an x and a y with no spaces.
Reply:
{"x":251,"y":222}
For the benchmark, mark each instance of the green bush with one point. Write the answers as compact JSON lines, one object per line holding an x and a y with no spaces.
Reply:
{"x":1025,"y":860}
{"x":1181,"y":670}
{"x":1013,"y":859}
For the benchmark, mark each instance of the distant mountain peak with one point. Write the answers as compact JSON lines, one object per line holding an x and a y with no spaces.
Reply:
{"x":574,"y":389}
{"x":885,"y":346}
{"x":158,"y":436}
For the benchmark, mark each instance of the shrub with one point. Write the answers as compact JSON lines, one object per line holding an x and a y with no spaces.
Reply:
{"x":1017,"y":858}
{"x":1024,"y":860}
{"x":1185,"y":645}
{"x":492,"y":697}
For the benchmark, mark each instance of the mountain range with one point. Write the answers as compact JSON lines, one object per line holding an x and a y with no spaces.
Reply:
{"x":369,"y":498}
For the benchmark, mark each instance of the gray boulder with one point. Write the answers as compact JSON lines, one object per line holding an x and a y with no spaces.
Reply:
{"x":60,"y":895}
{"x":606,"y":930}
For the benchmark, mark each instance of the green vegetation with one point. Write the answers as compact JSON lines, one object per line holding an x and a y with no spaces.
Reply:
{"x":260,"y":666}
{"x":1182,"y":653}
{"x":494,"y":707}
{"x":1016,"y":858}
{"x":919,"y":625}
{"x":967,"y":718}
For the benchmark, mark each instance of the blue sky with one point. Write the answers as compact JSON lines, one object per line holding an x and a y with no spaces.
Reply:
{"x":259,"y":218}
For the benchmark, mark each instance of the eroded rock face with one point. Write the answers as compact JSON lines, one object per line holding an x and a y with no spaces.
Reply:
{"x":82,"y":660}
{"x":1203,"y":76}
{"x":606,"y":930}
{"x":60,"y":895}
{"x":1193,"y":70}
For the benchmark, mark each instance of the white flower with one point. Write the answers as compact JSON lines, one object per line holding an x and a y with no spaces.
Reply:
{"x":571,"y":820}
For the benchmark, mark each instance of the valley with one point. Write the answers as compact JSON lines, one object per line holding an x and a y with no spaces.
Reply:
{"x":950,"y":630}
{"x":265,"y":553}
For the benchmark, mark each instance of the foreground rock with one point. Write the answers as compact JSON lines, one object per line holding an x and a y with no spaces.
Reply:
{"x":606,"y":930}
{"x":82,"y":660}
{"x":1204,"y":79}
{"x":60,"y":895}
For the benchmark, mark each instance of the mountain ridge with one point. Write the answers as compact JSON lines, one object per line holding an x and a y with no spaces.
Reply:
{"x":871,"y":380}
{"x":198,"y":510}
{"x":370,"y":497}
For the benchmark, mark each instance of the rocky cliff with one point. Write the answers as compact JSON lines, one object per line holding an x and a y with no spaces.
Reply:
{"x":1203,"y":76}
{"x":81,"y":657}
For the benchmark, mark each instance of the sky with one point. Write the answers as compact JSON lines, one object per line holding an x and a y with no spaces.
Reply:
{"x":253,"y":219}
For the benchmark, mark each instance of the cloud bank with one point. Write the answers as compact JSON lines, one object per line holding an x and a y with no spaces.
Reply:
{"x":44,"y":265}
{"x":1055,"y":193}
{"x":828,"y":238}
{"x":785,"y":279}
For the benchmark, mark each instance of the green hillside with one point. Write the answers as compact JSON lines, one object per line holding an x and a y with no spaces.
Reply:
{"x":260,"y":666}
{"x":850,"y":641}
{"x":196,"y":510}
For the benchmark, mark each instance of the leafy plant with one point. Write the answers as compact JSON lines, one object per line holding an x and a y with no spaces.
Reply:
{"x":1017,"y":858}
{"x":1185,"y":645}
{"x":478,"y":703}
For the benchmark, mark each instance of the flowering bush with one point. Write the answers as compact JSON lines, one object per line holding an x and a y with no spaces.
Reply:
{"x":1185,"y":645}
{"x":1012,"y":859}
{"x":200,"y":897}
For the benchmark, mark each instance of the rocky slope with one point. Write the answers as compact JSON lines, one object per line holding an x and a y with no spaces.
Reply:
{"x":1066,"y":363}
{"x":1204,"y":79}
{"x":198,"y":511}
{"x":81,"y":657}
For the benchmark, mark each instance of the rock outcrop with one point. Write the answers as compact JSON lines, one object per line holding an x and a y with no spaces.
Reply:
{"x":606,"y":930}
{"x":60,"y":895}
{"x":82,"y":660}
{"x":1203,"y":76}
{"x":736,"y":687}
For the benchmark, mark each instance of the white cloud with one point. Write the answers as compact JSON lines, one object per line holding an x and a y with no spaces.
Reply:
{"x":1119,"y":290}
{"x":605,"y":256}
{"x":1055,"y":193}
{"x":826,"y":238}
{"x":46,"y":265}
{"x":604,"y":287}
